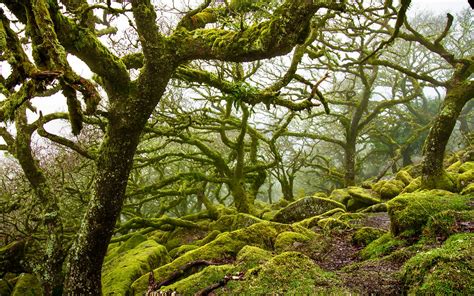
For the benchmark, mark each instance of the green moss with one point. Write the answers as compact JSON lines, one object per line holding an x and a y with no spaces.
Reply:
{"x":234,"y":222}
{"x":340,"y":195}
{"x":413,"y":186}
{"x":468,"y":190}
{"x":365,"y":235}
{"x":209,"y":238}
{"x":448,"y":270}
{"x":444,"y":181}
{"x":467,"y":166}
{"x":391,"y":189}
{"x":410,"y":212}
{"x":200,"y":280}
{"x":381,"y":207}
{"x":454,"y":168}
{"x":250,"y":256}
{"x":329,"y":224}
{"x":27,"y":285}
{"x":179,"y":251}
{"x":465,"y":179}
{"x":269,"y":215}
{"x":184,"y":236}
{"x":280,"y":204}
{"x":404,"y":176}
{"x":382,"y":246}
{"x":377,"y":186}
{"x":306,"y":207}
{"x":131,"y":243}
{"x":320,"y":194}
{"x":313,"y":221}
{"x":225,"y":246}
{"x":290,"y":273}
{"x":447,"y":223}
{"x":119,"y":273}
{"x":290,"y":241}
{"x":362,"y":195}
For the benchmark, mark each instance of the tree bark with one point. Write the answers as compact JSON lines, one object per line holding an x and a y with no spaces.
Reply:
{"x":433,"y":174}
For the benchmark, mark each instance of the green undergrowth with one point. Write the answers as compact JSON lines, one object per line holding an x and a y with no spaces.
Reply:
{"x":122,"y":269}
{"x":448,"y":270}
{"x":395,"y":238}
{"x":224,"y":248}
{"x":27,"y":285}
{"x":289,"y":273}
{"x":410,"y":212}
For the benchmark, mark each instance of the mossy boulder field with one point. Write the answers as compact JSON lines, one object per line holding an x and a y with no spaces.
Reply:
{"x":387,"y":238}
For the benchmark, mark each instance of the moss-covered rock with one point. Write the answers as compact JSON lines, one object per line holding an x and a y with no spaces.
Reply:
{"x":444,"y":224}
{"x":320,"y":194}
{"x":468,"y":190}
{"x":361,"y":198}
{"x":250,"y":256}
{"x":179,"y":251}
{"x":194,"y":283}
{"x":454,"y":168}
{"x":27,"y":285}
{"x":391,"y":188}
{"x":467,"y":166}
{"x":225,"y":246}
{"x":448,"y":270}
{"x":269,"y":215}
{"x":404,"y":176}
{"x":410,"y":212}
{"x":280,"y":204}
{"x":382,"y":246}
{"x":306,"y":207}
{"x":290,"y":273}
{"x":377,"y":186}
{"x":340,"y":195}
{"x":290,"y":241}
{"x":313,"y":221}
{"x":234,"y":222}
{"x":365,"y":235}
{"x":121,"y":271}
{"x":413,"y":186}
{"x":207,"y":239}
{"x":131,"y":243}
{"x":464,"y":179}
{"x":328,"y":224}
{"x":183,"y":236}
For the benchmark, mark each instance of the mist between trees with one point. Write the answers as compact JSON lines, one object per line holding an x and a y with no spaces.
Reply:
{"x":219,"y":103}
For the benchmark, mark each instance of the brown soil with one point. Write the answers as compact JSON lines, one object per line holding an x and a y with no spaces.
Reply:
{"x":371,"y":277}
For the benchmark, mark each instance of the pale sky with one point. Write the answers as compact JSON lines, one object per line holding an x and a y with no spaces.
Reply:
{"x":437,"y":6}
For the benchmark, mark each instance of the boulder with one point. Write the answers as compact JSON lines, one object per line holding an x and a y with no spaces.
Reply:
{"x":448,"y":270}
{"x":119,"y":272}
{"x":411,"y":211}
{"x":304,"y":208}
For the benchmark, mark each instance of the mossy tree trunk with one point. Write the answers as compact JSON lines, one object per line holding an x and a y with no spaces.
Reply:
{"x":356,"y":124}
{"x":459,"y":92}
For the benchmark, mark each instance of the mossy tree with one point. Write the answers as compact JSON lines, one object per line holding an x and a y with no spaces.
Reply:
{"x":456,"y":57}
{"x":130,"y":102}
{"x":351,"y":93}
